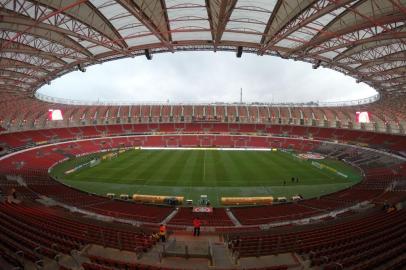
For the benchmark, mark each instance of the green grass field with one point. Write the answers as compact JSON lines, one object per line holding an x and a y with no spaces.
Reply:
{"x":217,"y":173}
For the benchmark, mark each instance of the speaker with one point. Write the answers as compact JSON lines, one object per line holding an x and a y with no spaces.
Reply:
{"x":148,"y":54}
{"x":316,"y":65}
{"x":81,"y":68}
{"x":239,"y":51}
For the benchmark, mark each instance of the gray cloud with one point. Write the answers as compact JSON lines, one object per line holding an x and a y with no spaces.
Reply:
{"x":207,"y":77}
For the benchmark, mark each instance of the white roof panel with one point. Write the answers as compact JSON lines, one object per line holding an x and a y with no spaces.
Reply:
{"x":98,"y":49}
{"x":268,"y":5}
{"x":190,"y":24}
{"x":200,"y":35}
{"x":137,"y":41}
{"x":232,"y":36}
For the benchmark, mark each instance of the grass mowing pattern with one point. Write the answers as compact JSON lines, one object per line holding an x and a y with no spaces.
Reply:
{"x":191,"y":173}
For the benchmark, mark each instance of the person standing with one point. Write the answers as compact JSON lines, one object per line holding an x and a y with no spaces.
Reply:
{"x":12,"y":197}
{"x":162,"y":232}
{"x":14,"y":194}
{"x":196,"y":226}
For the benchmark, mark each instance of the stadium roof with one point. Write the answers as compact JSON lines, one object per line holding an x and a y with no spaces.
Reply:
{"x":44,"y":39}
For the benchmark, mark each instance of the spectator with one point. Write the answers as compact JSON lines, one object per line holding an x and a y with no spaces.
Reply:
{"x":392,"y":208}
{"x":196,"y":226}
{"x":162,"y":232}
{"x":155,"y":237}
{"x":14,"y":193}
{"x":234,"y":243}
{"x":12,"y":197}
{"x":385,"y":206}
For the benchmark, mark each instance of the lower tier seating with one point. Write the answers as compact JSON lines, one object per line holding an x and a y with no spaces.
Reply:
{"x":273,"y":213}
{"x":38,"y":230}
{"x":362,"y":242}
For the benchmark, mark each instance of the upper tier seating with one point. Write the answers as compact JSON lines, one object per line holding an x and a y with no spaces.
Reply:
{"x":387,"y":115}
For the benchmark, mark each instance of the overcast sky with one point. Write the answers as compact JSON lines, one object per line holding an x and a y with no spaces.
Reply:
{"x":207,"y":77}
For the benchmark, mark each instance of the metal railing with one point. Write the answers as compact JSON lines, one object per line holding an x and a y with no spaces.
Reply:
{"x":118,"y":102}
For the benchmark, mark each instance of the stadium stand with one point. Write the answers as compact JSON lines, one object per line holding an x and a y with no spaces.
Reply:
{"x":30,"y":138}
{"x":54,"y":232}
{"x":383,"y":118}
{"x":354,"y":238}
{"x":361,"y":240}
{"x":377,"y":180}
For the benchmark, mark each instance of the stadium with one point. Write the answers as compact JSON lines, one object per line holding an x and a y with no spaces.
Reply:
{"x":105,"y":186}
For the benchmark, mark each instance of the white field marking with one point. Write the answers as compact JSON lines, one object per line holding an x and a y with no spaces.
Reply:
{"x":204,"y":167}
{"x":223,"y":180}
{"x":104,"y":177}
{"x":245,"y":188}
{"x":209,"y":149}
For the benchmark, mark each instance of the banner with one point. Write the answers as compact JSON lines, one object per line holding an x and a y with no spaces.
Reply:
{"x":323,"y":166}
{"x":202,"y":209}
{"x":91,"y":163}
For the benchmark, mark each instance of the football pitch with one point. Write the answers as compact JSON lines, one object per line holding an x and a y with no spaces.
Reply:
{"x":216,"y":173}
